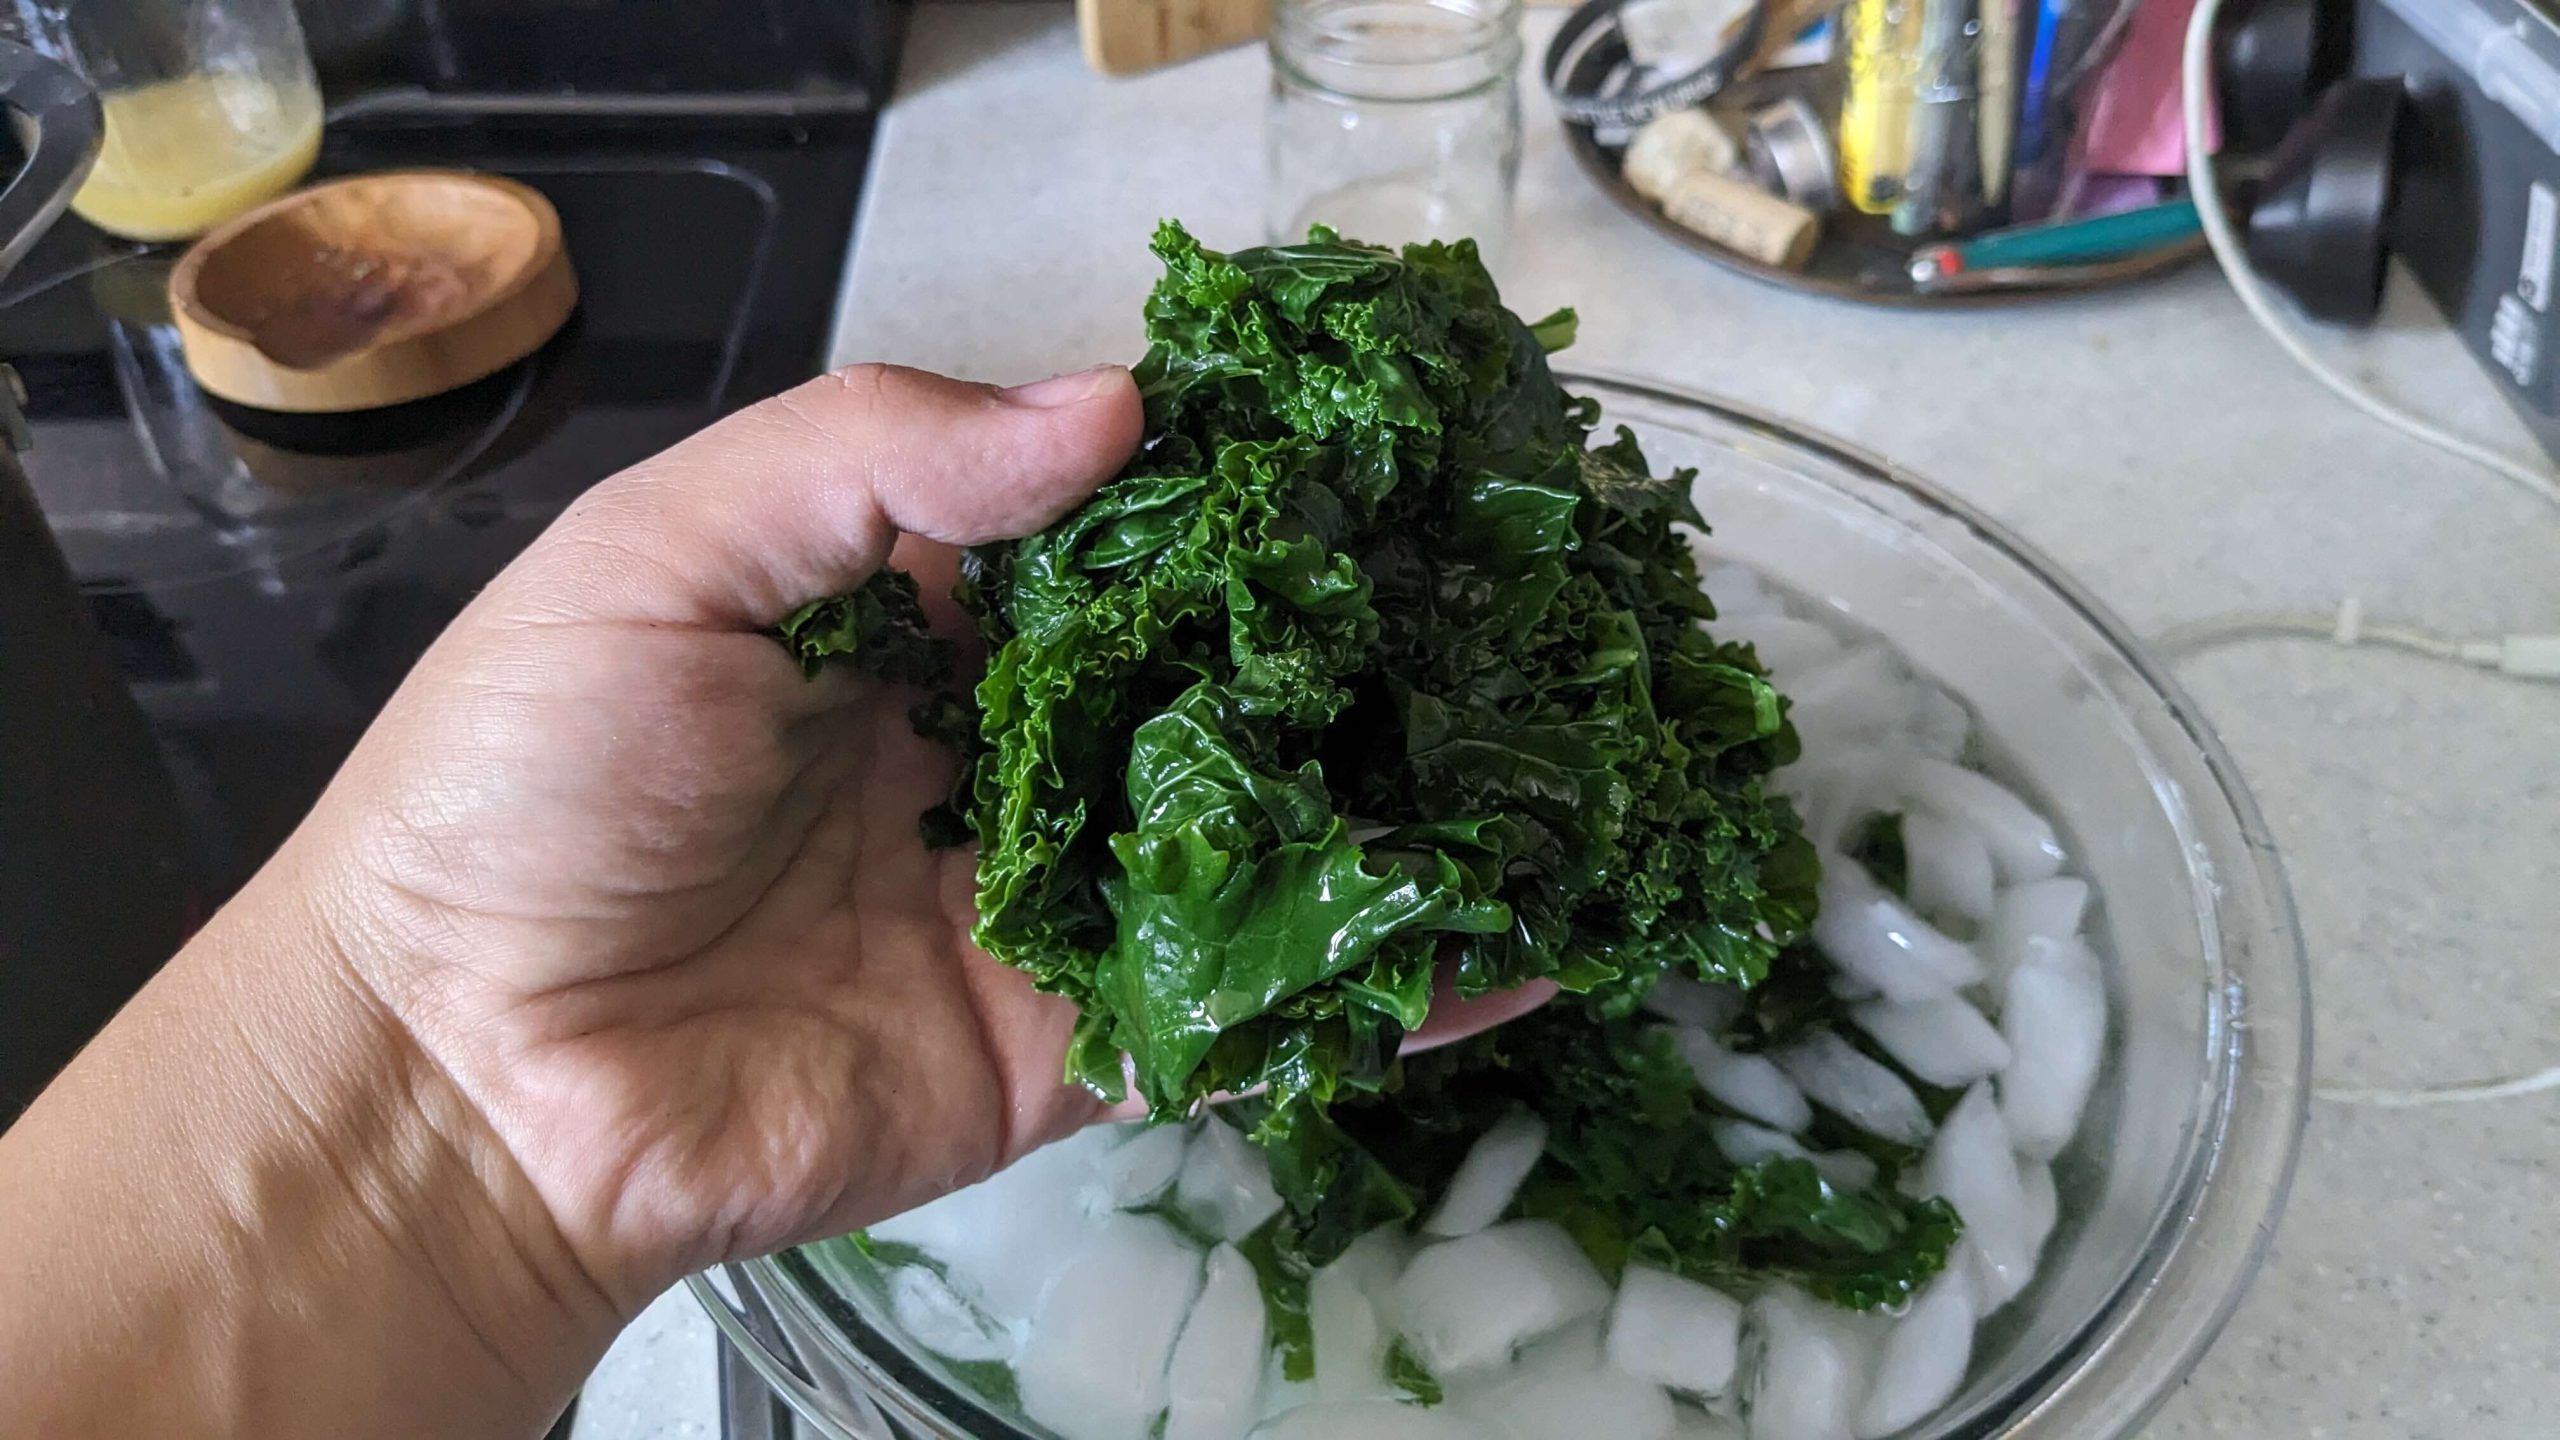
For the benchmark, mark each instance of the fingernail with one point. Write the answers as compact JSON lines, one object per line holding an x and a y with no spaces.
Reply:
{"x":1059,"y":391}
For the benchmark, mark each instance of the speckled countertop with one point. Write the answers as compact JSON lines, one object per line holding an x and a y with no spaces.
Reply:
{"x":2150,"y":441}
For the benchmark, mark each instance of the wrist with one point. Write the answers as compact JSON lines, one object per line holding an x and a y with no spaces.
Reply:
{"x":401,"y":1173}
{"x":275,"y":1207}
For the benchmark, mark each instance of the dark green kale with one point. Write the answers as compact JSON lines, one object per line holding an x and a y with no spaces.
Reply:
{"x":1375,"y":664}
{"x":1370,"y":661}
{"x":1631,"y":1168}
{"x":879,"y":628}
{"x":1411,"y":1376}
{"x":1877,"y":845}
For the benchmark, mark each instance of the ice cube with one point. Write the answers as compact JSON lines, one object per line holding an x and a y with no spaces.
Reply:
{"x":1970,"y":1165}
{"x":2043,"y":1207}
{"x":1787,"y":646}
{"x":1279,"y":1392}
{"x":1579,"y":1405}
{"x":1950,"y":866}
{"x":1225,"y":1185}
{"x":1837,"y":788}
{"x":1142,"y":1167}
{"x":1944,"y":1041}
{"x":2023,"y":845}
{"x":1940,"y":725}
{"x":1691,"y":1423}
{"x":1922,"y":1359}
{"x":1737,"y":590}
{"x":1993,"y":1288}
{"x":1350,"y":1343}
{"x":937,"y":1317}
{"x":1346,"y":1303}
{"x":2037,"y":913}
{"x":1744,"y":1143}
{"x":1812,"y":1373}
{"x":1486,"y":1180}
{"x":1576,"y":1348}
{"x":1366,"y":1420}
{"x":1573,"y":1350}
{"x":1093,"y":1367}
{"x":1475,"y":1300}
{"x":2054,"y":1015}
{"x":1835,"y":1075}
{"x":1003,"y":1240}
{"x":1674,"y":1331}
{"x":1698,"y":1006}
{"x":1862,"y":693}
{"x":1214,"y":1386}
{"x":1881,"y":942}
{"x":1751,"y":1084}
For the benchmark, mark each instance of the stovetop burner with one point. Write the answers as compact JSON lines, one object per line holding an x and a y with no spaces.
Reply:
{"x":267,"y":579}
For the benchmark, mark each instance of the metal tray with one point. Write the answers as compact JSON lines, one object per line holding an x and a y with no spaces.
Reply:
{"x":1859,"y":257}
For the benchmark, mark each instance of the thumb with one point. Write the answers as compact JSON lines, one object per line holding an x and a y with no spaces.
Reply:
{"x":801,"y":496}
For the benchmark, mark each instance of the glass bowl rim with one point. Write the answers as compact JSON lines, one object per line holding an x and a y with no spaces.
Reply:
{"x":2209,"y":1237}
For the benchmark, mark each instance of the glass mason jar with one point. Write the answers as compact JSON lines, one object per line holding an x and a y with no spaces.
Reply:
{"x":211,"y":106}
{"x":1394,"y":120}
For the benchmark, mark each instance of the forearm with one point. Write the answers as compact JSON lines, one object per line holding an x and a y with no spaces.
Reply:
{"x":251,"y":1208}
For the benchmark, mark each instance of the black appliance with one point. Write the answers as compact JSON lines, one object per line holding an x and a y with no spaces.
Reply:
{"x":2425,"y":129}
{"x":265,"y":581}
{"x":2476,"y":164}
{"x":93,"y":884}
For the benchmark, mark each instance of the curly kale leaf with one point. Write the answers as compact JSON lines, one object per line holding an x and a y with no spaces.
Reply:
{"x":1370,"y":662}
{"x":879,"y":629}
{"x":1376,"y":670}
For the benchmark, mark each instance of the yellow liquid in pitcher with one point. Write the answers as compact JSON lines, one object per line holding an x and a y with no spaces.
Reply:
{"x":182,"y":156}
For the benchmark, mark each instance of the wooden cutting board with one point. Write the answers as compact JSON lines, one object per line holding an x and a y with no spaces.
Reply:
{"x":1126,"y":37}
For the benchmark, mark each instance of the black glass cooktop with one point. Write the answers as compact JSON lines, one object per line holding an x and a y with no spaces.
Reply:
{"x":266,"y":580}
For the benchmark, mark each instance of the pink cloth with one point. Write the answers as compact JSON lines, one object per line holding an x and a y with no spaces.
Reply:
{"x":2133,"y":126}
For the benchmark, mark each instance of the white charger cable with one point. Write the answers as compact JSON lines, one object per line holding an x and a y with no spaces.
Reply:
{"x":2521,"y":657}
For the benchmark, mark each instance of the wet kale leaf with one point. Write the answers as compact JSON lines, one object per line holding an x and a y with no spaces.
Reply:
{"x":1377,"y":664}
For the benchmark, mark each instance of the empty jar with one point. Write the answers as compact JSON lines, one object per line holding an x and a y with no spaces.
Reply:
{"x":1394,"y":120}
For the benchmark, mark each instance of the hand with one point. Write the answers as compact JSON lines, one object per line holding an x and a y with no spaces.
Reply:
{"x":612,"y":952}
{"x":655,"y":901}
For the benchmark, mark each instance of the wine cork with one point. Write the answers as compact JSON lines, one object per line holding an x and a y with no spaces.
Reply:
{"x":1676,"y":144}
{"x":1744,"y":219}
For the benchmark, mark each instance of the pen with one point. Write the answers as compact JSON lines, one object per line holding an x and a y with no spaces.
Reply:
{"x":1996,"y":113}
{"x":2050,"y":15}
{"x":2058,"y":242}
{"x":1936,"y":111}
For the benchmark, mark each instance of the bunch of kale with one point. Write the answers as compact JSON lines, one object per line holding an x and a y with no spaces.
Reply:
{"x":1372,"y":666}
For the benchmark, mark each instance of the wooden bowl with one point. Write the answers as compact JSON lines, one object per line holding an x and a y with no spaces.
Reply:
{"x":372,"y":290}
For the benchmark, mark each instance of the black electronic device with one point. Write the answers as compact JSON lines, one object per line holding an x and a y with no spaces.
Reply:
{"x":2439,"y":145}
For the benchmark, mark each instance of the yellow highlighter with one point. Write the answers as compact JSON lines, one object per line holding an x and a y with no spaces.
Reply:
{"x":1875,"y":113}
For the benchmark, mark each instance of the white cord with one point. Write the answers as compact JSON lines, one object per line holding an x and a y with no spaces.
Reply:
{"x":2523,"y":657}
{"x":2196,"y":82}
{"x":2519,"y":657}
{"x":2459,"y":1092}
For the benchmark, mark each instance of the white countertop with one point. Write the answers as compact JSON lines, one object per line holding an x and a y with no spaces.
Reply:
{"x":2152,"y":442}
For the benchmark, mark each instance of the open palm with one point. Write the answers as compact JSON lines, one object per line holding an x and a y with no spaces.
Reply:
{"x":654,"y":901}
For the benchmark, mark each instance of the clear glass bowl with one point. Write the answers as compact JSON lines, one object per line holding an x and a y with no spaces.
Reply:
{"x":2175,"y":1183}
